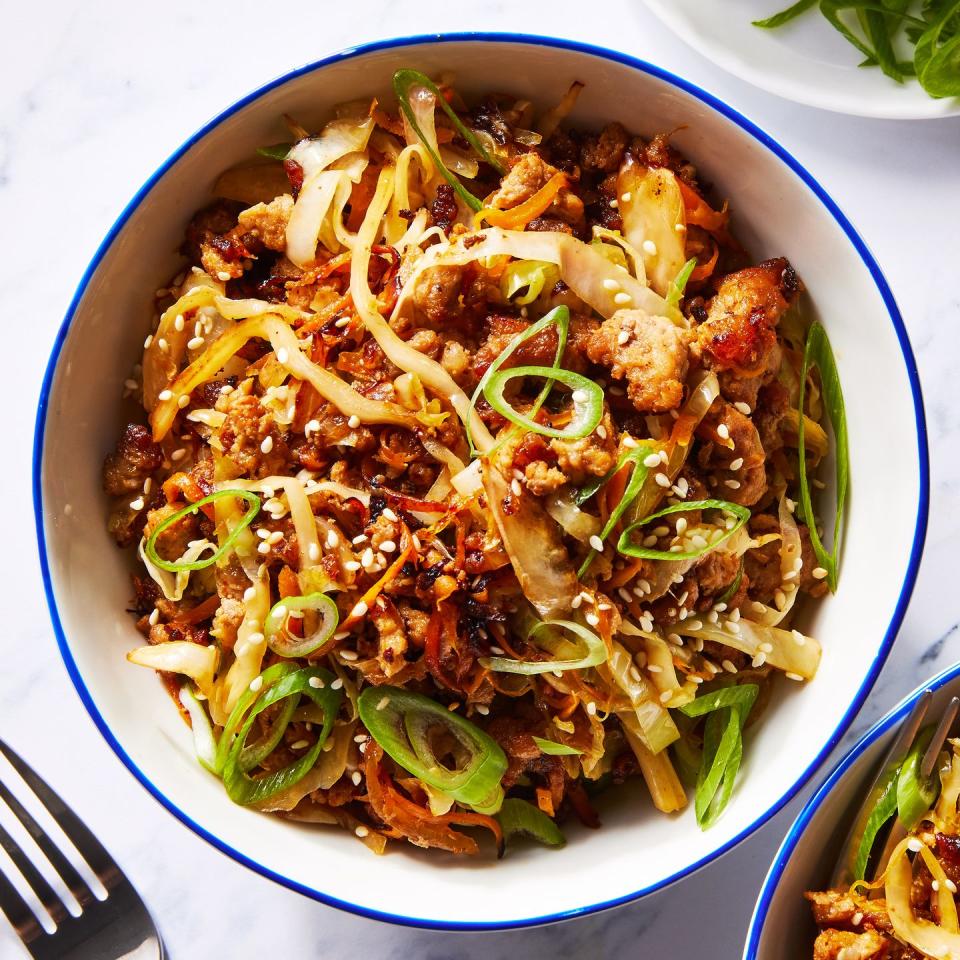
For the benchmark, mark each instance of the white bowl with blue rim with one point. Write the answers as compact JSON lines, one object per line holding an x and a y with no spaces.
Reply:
{"x":779,"y":209}
{"x":782,"y":927}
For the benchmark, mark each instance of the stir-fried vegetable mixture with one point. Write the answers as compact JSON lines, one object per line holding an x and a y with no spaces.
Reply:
{"x":903,"y":902}
{"x":472,"y":480}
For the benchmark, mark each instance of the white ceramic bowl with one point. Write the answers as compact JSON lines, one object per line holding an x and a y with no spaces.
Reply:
{"x":779,"y":209}
{"x":782,"y":927}
{"x":805,"y":60}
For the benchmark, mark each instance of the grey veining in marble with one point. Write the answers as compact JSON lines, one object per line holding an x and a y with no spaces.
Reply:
{"x":92,"y":97}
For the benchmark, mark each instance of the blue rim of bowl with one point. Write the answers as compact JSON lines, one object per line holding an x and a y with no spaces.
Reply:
{"x":730,"y":114}
{"x":799,"y":826}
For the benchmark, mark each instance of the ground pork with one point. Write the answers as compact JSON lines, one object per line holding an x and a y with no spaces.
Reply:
{"x":251,"y":437}
{"x":653,"y":358}
{"x":846,"y":945}
{"x":739,"y":333}
{"x":135,"y":459}
{"x":436,"y":294}
{"x":731,"y":455}
{"x":268,"y":222}
{"x":525,"y":178}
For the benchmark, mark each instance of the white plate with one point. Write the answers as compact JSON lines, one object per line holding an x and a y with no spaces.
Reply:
{"x":805,"y":60}
{"x":782,"y":927}
{"x":637,"y":851}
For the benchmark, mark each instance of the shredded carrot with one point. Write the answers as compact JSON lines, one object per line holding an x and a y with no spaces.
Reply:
{"x":516,"y":218}
{"x":199,"y":613}
{"x":360,"y":197}
{"x":407,"y":550}
{"x":545,"y":801}
{"x":389,"y":122}
{"x":703,"y":270}
{"x":319,"y":319}
{"x":625,"y":574}
{"x":699,"y":212}
{"x":183,"y":484}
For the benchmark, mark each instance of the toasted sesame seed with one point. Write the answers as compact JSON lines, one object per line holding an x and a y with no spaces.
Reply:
{"x":496,"y":651}
{"x":264,"y":548}
{"x":625,"y":196}
{"x":274,"y":537}
{"x":790,"y":575}
{"x":759,"y":660}
{"x":736,"y":464}
{"x":914,"y":845}
{"x":794,"y":676}
{"x":359,"y":610}
{"x":662,"y":480}
{"x":819,"y":573}
{"x":388,"y":514}
{"x":735,"y":614}
{"x":591,"y":708}
{"x":579,"y":396}
{"x":137,"y":504}
{"x":728,"y":666}
{"x":267,"y":445}
{"x":623,"y":337}
{"x":183,"y":401}
{"x":256,"y":683}
{"x":147,"y":342}
{"x":596,"y":543}
{"x":614,"y":204}
{"x":515,"y":487}
{"x":255,"y":638}
{"x":723,"y":432}
{"x":713,"y":616}
{"x":576,"y":601}
{"x":353,"y":422}
{"x":349,"y":655}
{"x":366,"y":558}
{"x":178,"y":323}
{"x":653,"y":668}
{"x":950,"y":885}
{"x":362,"y":831}
{"x":799,"y":638}
{"x":337,"y":684}
{"x":649,"y":247}
{"x":622,"y":298}
{"x":161,"y":343}
{"x":610,"y":284}
{"x":165,"y":395}
{"x":592,"y":619}
{"x":154,"y":617}
{"x":744,"y":408}
{"x":651,"y":460}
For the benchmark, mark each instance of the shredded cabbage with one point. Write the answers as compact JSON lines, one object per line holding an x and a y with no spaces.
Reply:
{"x":180,"y":656}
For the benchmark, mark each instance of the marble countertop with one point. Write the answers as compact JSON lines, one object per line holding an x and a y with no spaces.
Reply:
{"x":92,"y":98}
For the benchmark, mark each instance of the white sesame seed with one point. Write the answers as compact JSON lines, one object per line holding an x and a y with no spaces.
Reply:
{"x":819,"y":573}
{"x":735,"y":614}
{"x":650,"y":248}
{"x":653,"y":668}
{"x":137,"y":504}
{"x":178,"y":323}
{"x":622,"y":298}
{"x":165,"y":395}
{"x":161,"y":344}
{"x":625,"y":196}
{"x":736,"y":464}
{"x":623,"y":337}
{"x":366,"y":558}
{"x":362,"y":831}
{"x":183,"y":401}
{"x":579,"y":396}
{"x":154,"y":617}
{"x":147,"y":342}
{"x":223,"y":276}
{"x":596,"y":543}
{"x":256,"y":683}
{"x":274,"y":537}
{"x":267,"y":445}
{"x":790,"y":575}
{"x":359,"y":610}
{"x":759,"y":660}
{"x":723,"y":432}
{"x":765,"y":647}
{"x":591,"y":708}
{"x":353,"y":422}
{"x":794,"y":676}
{"x":614,"y":204}
{"x":744,"y":408}
{"x":662,"y":480}
{"x":263,"y":548}
{"x":352,"y":566}
{"x":592,"y":619}
{"x":728,"y":666}
{"x":388,"y":514}
{"x":515,"y":487}
{"x":914,"y":845}
{"x":799,"y":638}
{"x":255,"y":638}
{"x":576,"y":601}
{"x":950,"y":885}
{"x":610,"y":284}
{"x":349,"y":655}
{"x":651,"y":460}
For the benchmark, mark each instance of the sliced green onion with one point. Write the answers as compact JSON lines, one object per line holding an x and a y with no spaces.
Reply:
{"x":591,"y":648}
{"x":915,"y":796}
{"x":204,"y":740}
{"x":638,"y":475}
{"x":518,"y":816}
{"x":402,"y":722}
{"x":679,"y":282}
{"x":734,"y":586}
{"x":403,"y":80}
{"x":554,"y":749}
{"x":275,"y":151}
{"x":630,"y":549}
{"x":587,"y":400}
{"x":150,"y":548}
{"x":560,"y":317}
{"x":937,"y":55}
{"x":285,"y":688}
{"x":279,"y":639}
{"x":726,"y":711}
{"x":529,"y":275}
{"x":818,"y":353}
{"x":884,"y":807}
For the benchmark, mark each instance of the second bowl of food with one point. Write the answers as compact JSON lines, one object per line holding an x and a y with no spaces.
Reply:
{"x":458,"y":478}
{"x":870,"y":868}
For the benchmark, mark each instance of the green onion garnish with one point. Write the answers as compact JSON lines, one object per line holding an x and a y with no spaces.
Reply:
{"x":734,"y":586}
{"x":587,"y":400}
{"x":726,"y":711}
{"x":403,"y":723}
{"x":275,"y":151}
{"x":282,"y":642}
{"x":403,"y":81}
{"x":915,"y":796}
{"x":633,"y":458}
{"x":591,"y":649}
{"x":817,"y":353}
{"x":884,"y":807}
{"x":284,"y":685}
{"x":627,"y":547}
{"x":554,"y":749}
{"x":518,"y":816}
{"x":174,"y":566}
{"x":560,"y":316}
{"x":679,"y":282}
{"x":528,"y":275}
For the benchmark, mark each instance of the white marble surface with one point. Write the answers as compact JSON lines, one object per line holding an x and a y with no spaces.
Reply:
{"x":92,"y":97}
